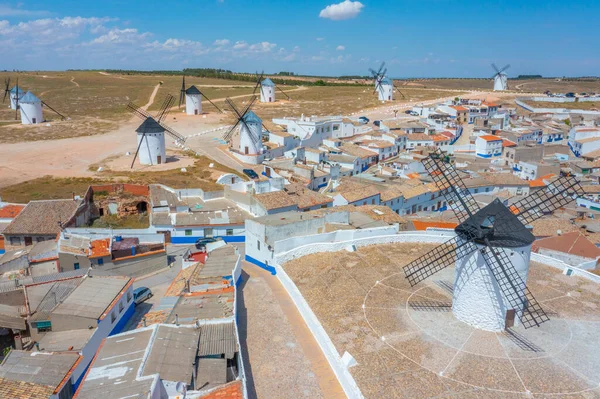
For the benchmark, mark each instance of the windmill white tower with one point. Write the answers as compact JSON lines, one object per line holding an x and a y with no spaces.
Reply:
{"x":31,"y":109}
{"x":14,"y":94}
{"x":385,"y":89}
{"x":491,"y":251}
{"x":193,"y":101}
{"x":250,"y":131}
{"x":267,"y":89}
{"x":192,"y":97}
{"x":500,"y":78}
{"x":151,"y":145}
{"x":384,"y":86}
{"x":151,"y":142}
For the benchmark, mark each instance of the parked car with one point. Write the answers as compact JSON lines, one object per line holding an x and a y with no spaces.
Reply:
{"x":570,"y":95}
{"x":250,"y":173}
{"x":414,"y":113}
{"x":201,"y":242}
{"x":377,"y":123}
{"x":408,"y":111}
{"x":141,"y":294}
{"x":363,"y":119}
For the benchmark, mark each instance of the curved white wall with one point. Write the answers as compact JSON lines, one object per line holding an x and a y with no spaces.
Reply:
{"x":500,"y":83}
{"x":477,"y":299}
{"x":386,"y":92}
{"x":31,"y":113}
{"x":152,"y":148}
{"x":246,"y":140}
{"x":193,"y":104}
{"x":267,"y":94}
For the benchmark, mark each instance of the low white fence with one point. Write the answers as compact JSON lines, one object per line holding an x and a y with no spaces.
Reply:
{"x":565,"y":111}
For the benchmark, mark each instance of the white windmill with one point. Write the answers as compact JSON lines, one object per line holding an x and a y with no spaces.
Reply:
{"x":151,"y":147}
{"x":384,"y":86}
{"x":500,"y":78}
{"x":192,"y":96}
{"x":14,"y":94}
{"x":31,"y":109}
{"x":250,"y":132}
{"x":491,"y":251}
{"x":267,"y":89}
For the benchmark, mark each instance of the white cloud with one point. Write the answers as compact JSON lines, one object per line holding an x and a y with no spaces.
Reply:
{"x":240,"y":45}
{"x":9,"y":11}
{"x":296,"y":49}
{"x":345,"y":10}
{"x":262,"y":47}
{"x":340,"y":48}
{"x":128,"y":36}
{"x":320,"y":39}
{"x":221,"y":42}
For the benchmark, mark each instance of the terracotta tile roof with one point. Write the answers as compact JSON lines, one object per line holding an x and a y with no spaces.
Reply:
{"x":23,"y":390}
{"x":573,"y":243}
{"x":419,"y":137}
{"x":489,"y":137}
{"x":508,"y":143}
{"x":231,"y":391}
{"x":489,"y":104}
{"x":100,"y":248}
{"x":424,"y":225}
{"x":448,"y":134}
{"x":413,"y":175}
{"x":357,"y":151}
{"x":459,"y":108}
{"x":42,"y":217}
{"x":548,"y":226}
{"x":439,"y":137}
{"x":503,"y":179}
{"x":10,"y":211}
{"x":275,"y":200}
{"x":591,"y":188}
{"x":414,"y":191}
{"x":304,"y":197}
{"x":360,"y":193}
{"x":377,"y":144}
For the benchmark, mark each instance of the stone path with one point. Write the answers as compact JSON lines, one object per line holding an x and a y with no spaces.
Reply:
{"x":281,"y":357}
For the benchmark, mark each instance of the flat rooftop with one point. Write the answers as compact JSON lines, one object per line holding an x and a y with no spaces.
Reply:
{"x":406,"y":339}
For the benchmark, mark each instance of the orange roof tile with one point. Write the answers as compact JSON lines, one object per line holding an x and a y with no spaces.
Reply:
{"x":508,"y":143}
{"x":421,"y":226}
{"x":413,"y":175}
{"x":489,"y":137}
{"x":459,"y":108}
{"x":573,"y":243}
{"x":10,"y":211}
{"x":490,"y":104}
{"x":100,"y":248}
{"x":439,"y":137}
{"x":229,"y":391}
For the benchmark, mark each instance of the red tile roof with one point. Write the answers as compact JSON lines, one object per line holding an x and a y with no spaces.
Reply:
{"x":573,"y":243}
{"x":489,"y":137}
{"x":10,"y":211}
{"x":422,"y":226}
{"x":508,"y":143}
{"x":100,"y":248}
{"x":230,"y":391}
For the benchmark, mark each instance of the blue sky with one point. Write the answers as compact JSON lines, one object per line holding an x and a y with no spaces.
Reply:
{"x":427,"y":38}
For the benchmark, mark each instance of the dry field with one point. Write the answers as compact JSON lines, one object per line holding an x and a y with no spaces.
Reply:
{"x":587,"y":105}
{"x":529,"y":85}
{"x":48,"y":187}
{"x":408,"y":344}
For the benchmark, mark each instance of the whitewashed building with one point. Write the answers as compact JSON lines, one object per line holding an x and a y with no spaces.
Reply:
{"x":151,"y":143}
{"x":15,"y":92}
{"x":488,"y":146}
{"x":267,"y":91}
{"x":31,"y":109}
{"x":193,"y":101}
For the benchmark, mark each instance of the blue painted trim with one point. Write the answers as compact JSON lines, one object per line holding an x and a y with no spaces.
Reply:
{"x":321,"y":185}
{"x":239,"y":280}
{"x":484,"y":155}
{"x":258,"y":263}
{"x":2,"y":251}
{"x":124,"y":319}
{"x":193,"y":239}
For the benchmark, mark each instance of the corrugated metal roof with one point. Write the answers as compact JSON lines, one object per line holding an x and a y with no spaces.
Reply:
{"x":218,"y":339}
{"x":60,"y":341}
{"x":173,"y":353}
{"x":10,"y":318}
{"x":40,"y":368}
{"x":92,"y":297}
{"x":57,"y":293}
{"x":219,"y":263}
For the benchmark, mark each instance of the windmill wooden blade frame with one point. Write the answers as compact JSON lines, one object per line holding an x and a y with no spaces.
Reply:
{"x":439,"y":258}
{"x":62,"y":117}
{"x":513,"y":287}
{"x":455,"y":191}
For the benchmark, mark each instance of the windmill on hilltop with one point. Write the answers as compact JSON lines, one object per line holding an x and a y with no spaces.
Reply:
{"x":192,"y":97}
{"x":500,"y":78}
{"x":267,"y":88}
{"x":491,"y":251}
{"x":384,"y":86}
{"x":151,"y":134}
{"x":250,"y":130}
{"x":27,"y":104}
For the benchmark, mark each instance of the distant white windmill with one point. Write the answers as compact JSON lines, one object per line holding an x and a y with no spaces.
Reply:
{"x":267,"y":89}
{"x":384,"y":86}
{"x":500,"y":78}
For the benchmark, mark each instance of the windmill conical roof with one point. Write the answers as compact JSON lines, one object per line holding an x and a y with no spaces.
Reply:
{"x":14,"y":90}
{"x":150,"y":125}
{"x":30,"y":98}
{"x":252,"y":117}
{"x":192,"y":90}
{"x":386,"y":81}
{"x":268,"y":82}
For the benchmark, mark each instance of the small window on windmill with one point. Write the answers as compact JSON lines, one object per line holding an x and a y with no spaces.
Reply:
{"x":488,"y":223}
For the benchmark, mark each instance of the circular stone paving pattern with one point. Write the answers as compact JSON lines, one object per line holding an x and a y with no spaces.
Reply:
{"x":560,"y":357}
